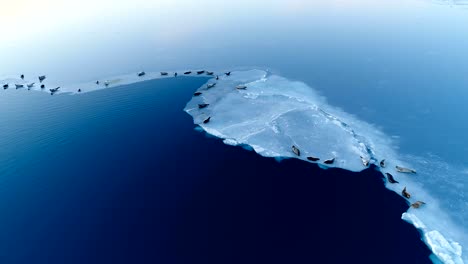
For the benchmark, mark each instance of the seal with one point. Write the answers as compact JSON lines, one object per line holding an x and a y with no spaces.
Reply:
{"x":405,"y":193}
{"x":207,"y":120}
{"x":228,"y":73}
{"x":390,"y":178}
{"x":200,"y":106}
{"x":417,"y":204}
{"x":164,"y":73}
{"x":22,"y":76}
{"x":19,"y":86}
{"x":5,"y":86}
{"x":30,"y":85}
{"x":54,"y":90}
{"x":382,"y":163}
{"x":41,"y":78}
{"x":404,"y":170}
{"x":141,"y":74}
{"x":296,"y":150}
{"x":241,"y":87}
{"x":209,"y":73}
{"x":42,"y":86}
{"x":197,"y":93}
{"x":187,"y":72}
{"x":200,"y":72}
{"x":210,"y":85}
{"x":312,"y":158}
{"x":364,"y":161}
{"x":329,"y":161}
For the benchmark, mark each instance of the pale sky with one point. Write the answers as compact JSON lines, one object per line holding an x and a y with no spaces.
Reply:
{"x":114,"y":33}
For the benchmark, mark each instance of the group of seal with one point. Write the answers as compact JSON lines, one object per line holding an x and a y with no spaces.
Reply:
{"x":41,"y":78}
{"x":297,"y":152}
{"x":366,"y":162}
{"x":392,"y":180}
{"x":208,"y":86}
{"x":106,"y":83}
{"x":163,"y":73}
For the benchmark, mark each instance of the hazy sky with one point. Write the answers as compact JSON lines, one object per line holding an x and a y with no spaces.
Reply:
{"x":107,"y":37}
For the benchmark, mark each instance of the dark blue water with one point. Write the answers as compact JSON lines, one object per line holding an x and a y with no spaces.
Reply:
{"x":121,"y":176}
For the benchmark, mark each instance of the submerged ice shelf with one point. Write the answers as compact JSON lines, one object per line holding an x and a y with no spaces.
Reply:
{"x":271,"y":114}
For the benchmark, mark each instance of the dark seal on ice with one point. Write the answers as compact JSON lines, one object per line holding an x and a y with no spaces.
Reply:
{"x":5,"y":86}
{"x":312,"y":158}
{"x":54,"y":90}
{"x":296,"y":150}
{"x":197,"y":93}
{"x":364,"y":161}
{"x":228,"y":73}
{"x":329,"y":161}
{"x":417,"y":204}
{"x":207,"y":120}
{"x":202,"y":105}
{"x":390,"y":178}
{"x":405,"y":193}
{"x":382,"y":163}
{"x":187,"y":72}
{"x":404,"y":170}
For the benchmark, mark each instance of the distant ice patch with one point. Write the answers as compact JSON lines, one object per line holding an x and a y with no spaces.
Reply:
{"x":273,"y":113}
{"x":89,"y":86}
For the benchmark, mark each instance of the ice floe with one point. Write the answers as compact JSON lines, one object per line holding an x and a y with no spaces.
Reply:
{"x":271,"y":114}
{"x":50,"y":83}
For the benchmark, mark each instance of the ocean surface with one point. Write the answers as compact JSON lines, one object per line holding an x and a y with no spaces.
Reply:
{"x":121,"y":175}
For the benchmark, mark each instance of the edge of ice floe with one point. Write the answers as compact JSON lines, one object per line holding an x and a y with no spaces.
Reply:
{"x":447,"y":251}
